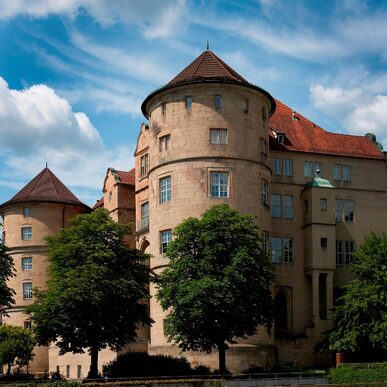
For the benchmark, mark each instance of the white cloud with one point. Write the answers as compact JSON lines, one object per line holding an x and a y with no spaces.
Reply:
{"x":357,"y":110}
{"x":38,"y":126}
{"x":157,"y":19}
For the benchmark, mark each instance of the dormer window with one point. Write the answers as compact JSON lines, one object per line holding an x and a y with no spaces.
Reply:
{"x":280,"y":138}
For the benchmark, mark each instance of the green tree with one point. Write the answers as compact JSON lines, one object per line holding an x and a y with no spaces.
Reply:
{"x":360,"y":319}
{"x":16,"y":345}
{"x":217,"y":284}
{"x":7,"y":271}
{"x":97,"y":289}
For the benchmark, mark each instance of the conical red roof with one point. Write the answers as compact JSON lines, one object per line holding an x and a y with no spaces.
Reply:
{"x":207,"y":66}
{"x":45,"y":187}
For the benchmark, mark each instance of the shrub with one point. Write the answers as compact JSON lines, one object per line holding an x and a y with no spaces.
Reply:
{"x":141,"y":364}
{"x":360,"y":373}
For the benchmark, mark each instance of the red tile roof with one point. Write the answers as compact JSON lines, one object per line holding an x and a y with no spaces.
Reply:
{"x":207,"y":66}
{"x":127,"y":177}
{"x":303,"y":135}
{"x":99,"y":203}
{"x":45,"y":187}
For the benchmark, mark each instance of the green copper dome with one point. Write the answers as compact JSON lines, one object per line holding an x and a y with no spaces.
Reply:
{"x":319,"y":182}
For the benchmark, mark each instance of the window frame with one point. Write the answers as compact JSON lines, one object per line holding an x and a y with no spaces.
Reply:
{"x":277,"y":167}
{"x":26,"y":233}
{"x":223,"y":189}
{"x":245,"y":104}
{"x":164,"y":142}
{"x":165,"y":239}
{"x":144,"y":165}
{"x":218,"y":102}
{"x":288,"y":167}
{"x":188,"y":102}
{"x":276,"y":205}
{"x":287,"y":210}
{"x":165,"y":189}
{"x":218,"y":136}
{"x":27,"y":290}
{"x":265,"y":192}
{"x":26,"y":263}
{"x":26,"y":212}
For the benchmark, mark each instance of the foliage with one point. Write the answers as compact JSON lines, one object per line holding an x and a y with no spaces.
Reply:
{"x":7,"y":271}
{"x":16,"y":345}
{"x":96,"y":289}
{"x":358,"y":373}
{"x":141,"y":364}
{"x":217,"y":285}
{"x":360,"y":319}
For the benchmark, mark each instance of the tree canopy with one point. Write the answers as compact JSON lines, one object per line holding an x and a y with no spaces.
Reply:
{"x":217,"y":284}
{"x":16,"y":345}
{"x":360,"y":319}
{"x":96,"y":291}
{"x":7,"y":271}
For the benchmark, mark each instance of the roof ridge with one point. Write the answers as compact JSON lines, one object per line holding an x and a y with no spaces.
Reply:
{"x":52,"y":183}
{"x":38,"y":177}
{"x":200,"y":62}
{"x":223,"y":64}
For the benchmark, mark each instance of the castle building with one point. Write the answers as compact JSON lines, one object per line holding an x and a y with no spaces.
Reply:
{"x":213,"y":138}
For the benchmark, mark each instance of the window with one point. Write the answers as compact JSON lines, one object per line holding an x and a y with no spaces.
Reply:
{"x":344,"y":210}
{"x":276,"y":205}
{"x":144,"y":216}
{"x":324,"y":243}
{"x":219,"y":184}
{"x":79,"y":371}
{"x":218,"y":102}
{"x":164,"y":142}
{"x":280,"y":138}
{"x":265,"y":242}
{"x":218,"y":136}
{"x":263,"y":146}
{"x":144,"y":165}
{"x":277,"y":166}
{"x":163,"y":108}
{"x":27,"y":291}
{"x":344,"y":252}
{"x":188,"y":102}
{"x":310,"y":169}
{"x":165,"y":240}
{"x":288,"y":167}
{"x":27,"y":324}
{"x":26,"y":233}
{"x":245,"y":105}
{"x":110,"y":196}
{"x":341,"y":172}
{"x":165,"y":189}
{"x":287,"y":203}
{"x":282,"y":250}
{"x":282,"y":206}
{"x":67,"y":370}
{"x":323,"y":204}
{"x":27,"y":263}
{"x":26,"y":212}
{"x":265,"y":192}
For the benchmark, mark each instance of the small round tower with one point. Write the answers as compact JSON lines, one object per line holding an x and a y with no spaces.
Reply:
{"x":43,"y":207}
{"x":206,"y":144}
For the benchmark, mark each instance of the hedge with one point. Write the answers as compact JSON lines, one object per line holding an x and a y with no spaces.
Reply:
{"x":359,"y":373}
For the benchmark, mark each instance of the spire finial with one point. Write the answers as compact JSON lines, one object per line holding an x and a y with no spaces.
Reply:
{"x":46,"y":165}
{"x":208,"y":45}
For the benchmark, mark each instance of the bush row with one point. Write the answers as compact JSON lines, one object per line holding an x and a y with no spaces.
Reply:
{"x":361,"y":373}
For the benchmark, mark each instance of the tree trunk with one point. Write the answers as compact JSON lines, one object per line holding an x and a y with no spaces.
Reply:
{"x":93,"y":372}
{"x":9,"y":370}
{"x":222,"y":358}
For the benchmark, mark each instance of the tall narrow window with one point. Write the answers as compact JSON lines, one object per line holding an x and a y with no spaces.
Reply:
{"x":276,"y":250}
{"x":263,"y":146}
{"x":164,"y":142}
{"x":163,"y":108}
{"x":288,"y":167}
{"x":144,"y":216}
{"x":287,"y":250}
{"x":323,"y":204}
{"x":218,"y":102}
{"x":339,"y":210}
{"x":245,"y":105}
{"x":26,"y":233}
{"x":308,"y":168}
{"x":67,"y":370}
{"x":317,"y":169}
{"x":27,"y":324}
{"x":79,"y":371}
{"x":336,"y":172}
{"x":348,"y":210}
{"x":287,"y":203}
{"x":265,"y":192}
{"x":219,"y":184}
{"x":349,"y":247}
{"x":346,"y":172}
{"x":27,"y":263}
{"x":27,"y":290}
{"x":188,"y":102}
{"x":165,"y":240}
{"x":339,"y":253}
{"x":277,"y":164}
{"x":265,"y":242}
{"x":26,"y":212}
{"x":218,"y":136}
{"x":275,"y":205}
{"x":165,"y":189}
{"x":144,"y":165}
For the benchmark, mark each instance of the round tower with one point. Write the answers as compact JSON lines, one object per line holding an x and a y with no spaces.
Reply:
{"x":43,"y":207}
{"x":206,"y":144}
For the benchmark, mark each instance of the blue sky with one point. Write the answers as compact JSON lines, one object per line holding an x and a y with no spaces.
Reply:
{"x":73,"y":73}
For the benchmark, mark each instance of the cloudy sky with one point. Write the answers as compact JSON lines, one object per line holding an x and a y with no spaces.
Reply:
{"x":73,"y":73}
